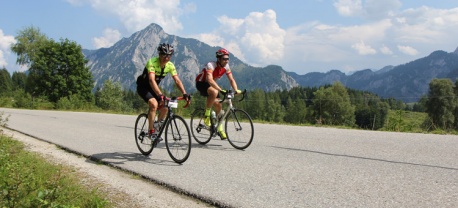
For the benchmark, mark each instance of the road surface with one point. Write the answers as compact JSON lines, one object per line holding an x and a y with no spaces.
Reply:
{"x":285,"y":166}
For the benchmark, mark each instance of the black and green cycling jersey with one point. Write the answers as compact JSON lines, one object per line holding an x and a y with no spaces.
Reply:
{"x":153,"y":66}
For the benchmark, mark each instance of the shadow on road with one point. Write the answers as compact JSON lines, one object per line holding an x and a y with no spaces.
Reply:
{"x":210,"y":146}
{"x":118,"y":158}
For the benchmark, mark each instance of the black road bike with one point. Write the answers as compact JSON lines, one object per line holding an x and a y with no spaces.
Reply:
{"x":174,"y":128}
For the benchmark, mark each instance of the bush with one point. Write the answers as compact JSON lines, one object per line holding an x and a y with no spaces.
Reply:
{"x":74,"y":102}
{"x":22,"y":99}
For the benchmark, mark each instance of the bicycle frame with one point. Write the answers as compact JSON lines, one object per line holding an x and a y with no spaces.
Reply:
{"x":238,"y":125}
{"x":167,"y":102}
{"x":230,"y":107}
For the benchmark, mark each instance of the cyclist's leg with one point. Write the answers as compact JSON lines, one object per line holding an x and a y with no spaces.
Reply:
{"x":152,"y":112}
{"x":162,"y":113}
{"x":146,"y":94}
{"x":207,"y":91}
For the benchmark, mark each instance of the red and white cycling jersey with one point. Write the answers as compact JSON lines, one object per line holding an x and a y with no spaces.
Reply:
{"x":218,"y":71}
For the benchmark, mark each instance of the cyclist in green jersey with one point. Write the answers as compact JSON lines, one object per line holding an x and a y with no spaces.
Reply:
{"x":148,"y":83}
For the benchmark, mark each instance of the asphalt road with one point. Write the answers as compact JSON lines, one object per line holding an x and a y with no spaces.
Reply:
{"x":285,"y":166}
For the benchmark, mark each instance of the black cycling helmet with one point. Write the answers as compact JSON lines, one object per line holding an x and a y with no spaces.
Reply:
{"x":165,"y":49}
{"x":222,"y":52}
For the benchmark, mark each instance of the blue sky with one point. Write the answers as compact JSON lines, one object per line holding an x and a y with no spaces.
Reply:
{"x":300,"y":35}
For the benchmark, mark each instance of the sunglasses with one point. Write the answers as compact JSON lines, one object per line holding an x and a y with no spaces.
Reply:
{"x":166,"y":55}
{"x":225,"y":59}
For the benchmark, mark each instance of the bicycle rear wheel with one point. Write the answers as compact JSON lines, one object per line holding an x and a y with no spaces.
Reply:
{"x":239,"y":129}
{"x":201,"y":133}
{"x":178,"y":139}
{"x":144,"y":143}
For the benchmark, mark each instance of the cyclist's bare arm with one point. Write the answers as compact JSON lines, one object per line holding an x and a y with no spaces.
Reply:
{"x":179,"y":84}
{"x":232,"y":81}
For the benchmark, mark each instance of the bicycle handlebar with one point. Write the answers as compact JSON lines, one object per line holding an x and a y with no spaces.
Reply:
{"x":176,"y":98}
{"x":229,"y":92}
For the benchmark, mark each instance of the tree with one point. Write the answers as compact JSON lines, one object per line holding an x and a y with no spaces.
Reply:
{"x":5,"y":82}
{"x":28,"y":42}
{"x":371,"y":112}
{"x":19,"y":80}
{"x":332,"y":106}
{"x":441,"y":103}
{"x":256,"y":104}
{"x":274,"y":111}
{"x":59,"y":70}
{"x":110,"y":97}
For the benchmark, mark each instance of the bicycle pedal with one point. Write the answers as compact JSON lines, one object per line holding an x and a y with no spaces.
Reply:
{"x":156,"y":141}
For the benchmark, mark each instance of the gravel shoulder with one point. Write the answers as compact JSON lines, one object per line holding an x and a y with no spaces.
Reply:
{"x":123,"y":189}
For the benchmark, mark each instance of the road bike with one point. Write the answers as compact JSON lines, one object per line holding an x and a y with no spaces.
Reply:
{"x":238,"y":125}
{"x":176,"y":130}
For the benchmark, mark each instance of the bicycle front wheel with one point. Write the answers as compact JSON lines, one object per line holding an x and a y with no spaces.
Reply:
{"x":239,"y":129}
{"x":144,"y":143}
{"x":178,"y":139}
{"x":201,"y":133}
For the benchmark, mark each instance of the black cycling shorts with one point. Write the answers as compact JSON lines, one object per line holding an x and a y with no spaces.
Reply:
{"x":202,"y":87}
{"x":146,"y":93}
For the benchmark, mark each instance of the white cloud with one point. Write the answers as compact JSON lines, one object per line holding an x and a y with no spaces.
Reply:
{"x":426,"y":25}
{"x":5,"y":44}
{"x":408,"y":50}
{"x":414,"y":33}
{"x":349,"y":7}
{"x":363,"y":49}
{"x":376,"y":9}
{"x":256,"y":39}
{"x":135,"y":15}
{"x":385,"y":50}
{"x":371,"y":9}
{"x":110,"y":36}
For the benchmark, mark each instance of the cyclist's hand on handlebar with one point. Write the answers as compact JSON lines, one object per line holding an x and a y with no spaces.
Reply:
{"x":186,"y":97}
{"x":223,"y":91}
{"x":238,"y":91}
{"x":160,"y":98}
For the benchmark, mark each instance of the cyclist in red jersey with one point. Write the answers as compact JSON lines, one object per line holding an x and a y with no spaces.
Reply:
{"x":207,"y":86}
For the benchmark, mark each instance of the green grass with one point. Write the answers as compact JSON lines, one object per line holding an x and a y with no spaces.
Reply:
{"x":28,"y":180}
{"x":405,"y":121}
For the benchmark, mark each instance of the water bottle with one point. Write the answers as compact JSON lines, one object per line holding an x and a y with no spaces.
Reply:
{"x":213,"y":116}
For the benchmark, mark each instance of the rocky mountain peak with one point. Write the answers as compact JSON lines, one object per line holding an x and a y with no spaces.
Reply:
{"x":125,"y":60}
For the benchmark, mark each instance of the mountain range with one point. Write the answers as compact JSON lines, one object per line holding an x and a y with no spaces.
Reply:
{"x":125,"y":60}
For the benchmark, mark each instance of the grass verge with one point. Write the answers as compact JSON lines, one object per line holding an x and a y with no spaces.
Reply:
{"x":28,"y":180}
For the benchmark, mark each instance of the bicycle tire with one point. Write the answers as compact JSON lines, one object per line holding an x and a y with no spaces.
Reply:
{"x":201,"y":133}
{"x":178,"y":139}
{"x":239,"y":129}
{"x":144,"y":144}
